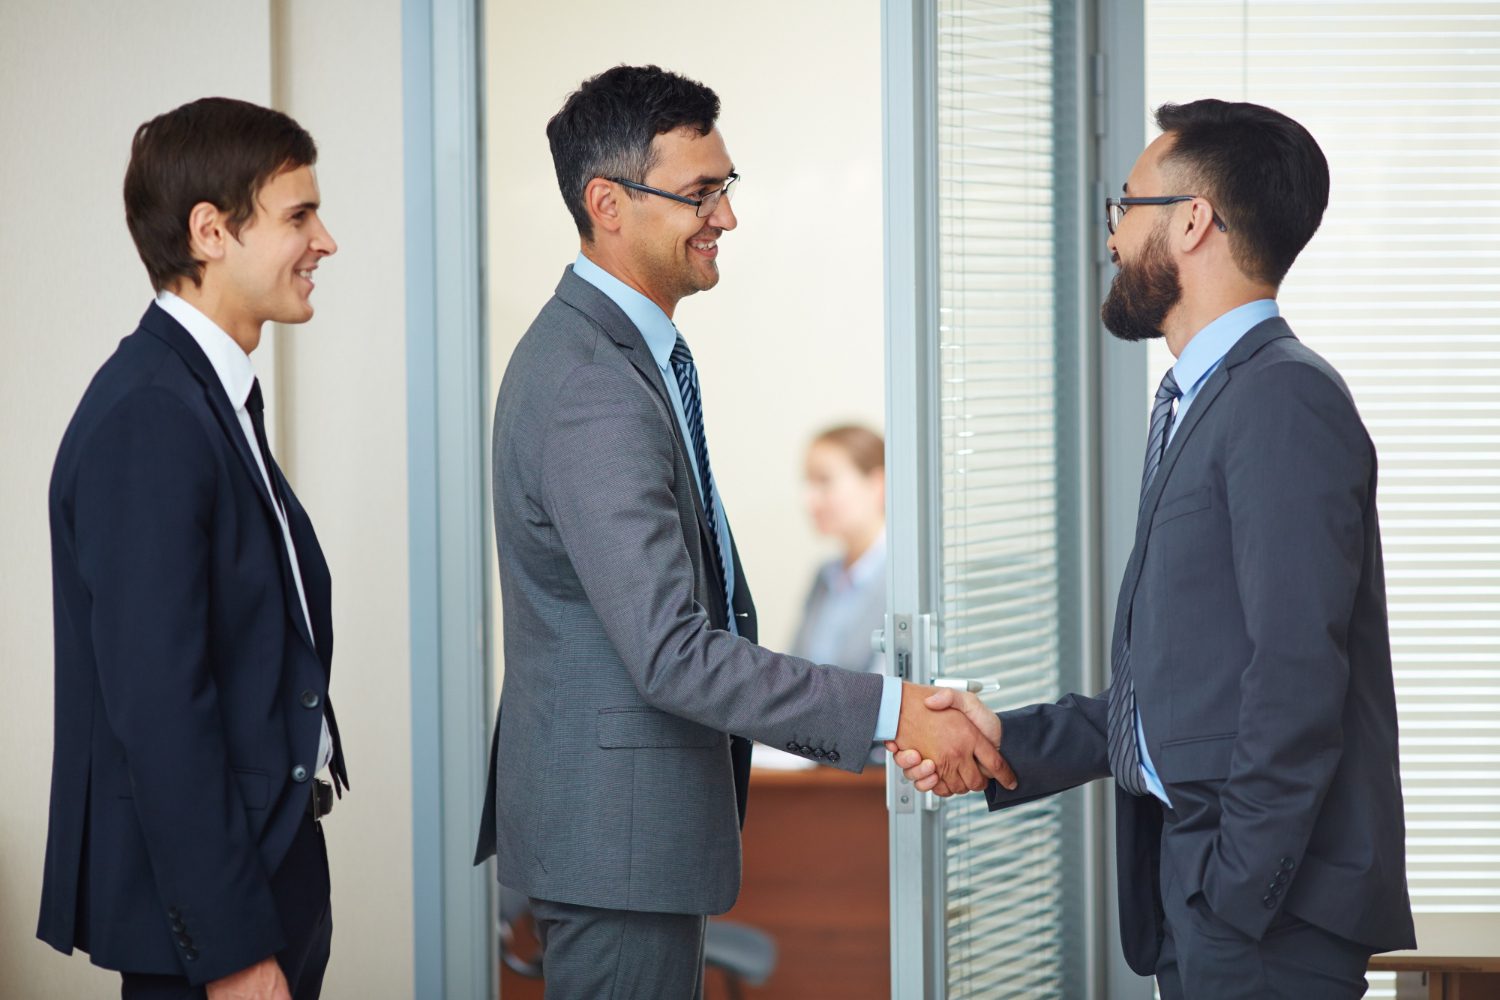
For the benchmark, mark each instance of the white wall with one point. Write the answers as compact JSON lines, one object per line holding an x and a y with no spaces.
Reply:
{"x":792,"y":339}
{"x":76,"y":78}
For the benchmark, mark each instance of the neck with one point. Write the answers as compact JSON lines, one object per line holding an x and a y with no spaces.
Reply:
{"x":621,"y":268}
{"x":857,"y":543}
{"x":1194,"y":313}
{"x":209,"y":299}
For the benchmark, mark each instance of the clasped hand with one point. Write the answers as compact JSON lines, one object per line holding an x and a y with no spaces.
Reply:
{"x":948,"y":742}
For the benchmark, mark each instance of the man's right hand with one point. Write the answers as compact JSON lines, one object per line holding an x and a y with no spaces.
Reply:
{"x":964,"y":757}
{"x":261,"y":981}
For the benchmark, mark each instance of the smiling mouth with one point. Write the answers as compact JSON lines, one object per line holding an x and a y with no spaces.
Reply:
{"x":704,"y":246}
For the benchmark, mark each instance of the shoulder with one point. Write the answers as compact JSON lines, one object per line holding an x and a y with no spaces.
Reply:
{"x":143,"y":383}
{"x":1287,"y":371}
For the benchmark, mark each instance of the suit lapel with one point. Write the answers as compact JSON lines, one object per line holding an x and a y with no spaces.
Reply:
{"x":165,"y":328}
{"x":1245,"y":348}
{"x":601,"y":308}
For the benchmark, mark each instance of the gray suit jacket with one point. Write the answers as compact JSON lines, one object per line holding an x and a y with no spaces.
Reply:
{"x":1255,"y":599}
{"x":613,"y":780}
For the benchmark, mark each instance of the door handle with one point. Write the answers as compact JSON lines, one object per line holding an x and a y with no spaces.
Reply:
{"x":973,"y":685}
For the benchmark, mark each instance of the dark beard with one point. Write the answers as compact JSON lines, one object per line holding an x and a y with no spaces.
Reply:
{"x":1143,"y":293}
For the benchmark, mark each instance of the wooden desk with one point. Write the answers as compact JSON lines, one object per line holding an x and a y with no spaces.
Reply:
{"x":1459,"y":953}
{"x":816,"y":878}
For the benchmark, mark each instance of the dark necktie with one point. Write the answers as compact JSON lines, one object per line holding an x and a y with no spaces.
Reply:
{"x":255,"y":405}
{"x":1124,"y":754}
{"x":692,"y":409}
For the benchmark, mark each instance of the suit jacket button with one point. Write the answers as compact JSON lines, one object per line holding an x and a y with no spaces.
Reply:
{"x":184,"y":941}
{"x":173,"y":912}
{"x":805,"y":750}
{"x":1272,"y":886}
{"x":178,"y":927}
{"x":792,"y":746}
{"x":299,"y":773}
{"x":190,"y":954}
{"x":310,"y":699}
{"x":1287,"y":864}
{"x":833,"y":755}
{"x":1281,"y":878}
{"x":1269,"y":901}
{"x":820,"y":753}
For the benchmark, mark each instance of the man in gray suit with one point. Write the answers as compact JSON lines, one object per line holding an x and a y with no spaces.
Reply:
{"x":616,"y":793}
{"x":1250,"y":723}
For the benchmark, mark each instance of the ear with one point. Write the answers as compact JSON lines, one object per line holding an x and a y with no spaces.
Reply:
{"x":207,"y":232}
{"x":1200,"y":219}
{"x":602,"y":205}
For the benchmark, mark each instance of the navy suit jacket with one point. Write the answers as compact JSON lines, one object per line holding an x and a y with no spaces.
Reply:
{"x":188,"y":691}
{"x":1255,"y":599}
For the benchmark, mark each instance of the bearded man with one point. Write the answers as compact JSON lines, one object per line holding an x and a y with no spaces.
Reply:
{"x":1250,"y":723}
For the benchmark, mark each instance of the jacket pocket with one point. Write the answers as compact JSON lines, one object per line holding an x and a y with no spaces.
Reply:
{"x":1180,"y":506}
{"x":1196,"y":758}
{"x":642,"y":726}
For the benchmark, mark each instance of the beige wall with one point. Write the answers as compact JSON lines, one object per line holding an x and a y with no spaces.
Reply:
{"x":75,"y":80}
{"x":792,"y":338}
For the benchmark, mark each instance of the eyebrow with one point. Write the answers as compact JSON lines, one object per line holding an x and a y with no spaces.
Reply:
{"x":706,"y":181}
{"x":303,"y":207}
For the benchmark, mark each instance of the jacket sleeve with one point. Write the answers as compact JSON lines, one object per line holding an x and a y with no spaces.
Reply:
{"x":1299,"y":471}
{"x":144,"y":501}
{"x":607,"y":483}
{"x":1052,"y":748}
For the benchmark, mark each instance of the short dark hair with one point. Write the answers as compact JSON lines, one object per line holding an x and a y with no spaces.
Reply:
{"x":217,"y":150}
{"x":606,"y":126}
{"x":1264,"y":173}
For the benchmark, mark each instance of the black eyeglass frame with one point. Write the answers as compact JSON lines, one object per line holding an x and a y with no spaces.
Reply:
{"x":1110,"y":204}
{"x":697,"y":203}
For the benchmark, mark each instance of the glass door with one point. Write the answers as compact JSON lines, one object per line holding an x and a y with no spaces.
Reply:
{"x":988,"y":319}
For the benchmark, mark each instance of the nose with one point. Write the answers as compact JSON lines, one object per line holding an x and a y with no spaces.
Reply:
{"x":1110,"y":244}
{"x":723,"y":216}
{"x":323,"y":243}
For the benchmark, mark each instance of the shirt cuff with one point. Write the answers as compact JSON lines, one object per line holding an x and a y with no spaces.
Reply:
{"x":890,"y":710}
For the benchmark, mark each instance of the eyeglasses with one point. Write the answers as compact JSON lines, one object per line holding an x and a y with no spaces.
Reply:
{"x":704,"y":205}
{"x":1114,"y":208}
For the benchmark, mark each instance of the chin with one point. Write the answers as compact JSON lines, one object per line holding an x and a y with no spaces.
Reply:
{"x":299,"y":313}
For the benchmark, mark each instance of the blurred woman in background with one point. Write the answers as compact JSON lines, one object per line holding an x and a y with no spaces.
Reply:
{"x":846,"y":498}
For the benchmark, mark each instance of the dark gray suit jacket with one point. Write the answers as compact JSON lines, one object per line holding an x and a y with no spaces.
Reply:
{"x":613,"y":780}
{"x":1255,"y":599}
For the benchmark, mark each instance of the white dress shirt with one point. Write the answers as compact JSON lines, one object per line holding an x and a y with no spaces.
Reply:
{"x":237,"y":375}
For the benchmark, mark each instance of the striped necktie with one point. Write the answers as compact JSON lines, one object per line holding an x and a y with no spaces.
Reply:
{"x":1124,"y":754}
{"x":692,"y":410}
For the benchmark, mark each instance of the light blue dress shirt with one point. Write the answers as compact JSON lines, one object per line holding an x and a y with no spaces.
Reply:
{"x":1200,"y":359}
{"x":660,"y":334}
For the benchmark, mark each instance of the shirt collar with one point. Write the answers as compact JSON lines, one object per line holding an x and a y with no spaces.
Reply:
{"x":655,"y":326}
{"x":230,"y":362}
{"x":865,"y":568}
{"x":1208,"y":347}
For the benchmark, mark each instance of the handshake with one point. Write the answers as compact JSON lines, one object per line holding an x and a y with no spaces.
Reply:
{"x":948,"y":742}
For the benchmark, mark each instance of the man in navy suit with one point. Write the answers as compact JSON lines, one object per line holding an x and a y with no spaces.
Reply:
{"x":1250,"y":722}
{"x":191,"y":599}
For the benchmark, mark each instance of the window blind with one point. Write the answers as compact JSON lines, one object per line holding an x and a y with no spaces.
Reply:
{"x":1400,"y":290}
{"x":1009,"y":910}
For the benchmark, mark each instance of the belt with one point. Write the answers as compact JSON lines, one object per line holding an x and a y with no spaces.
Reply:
{"x":320,"y":802}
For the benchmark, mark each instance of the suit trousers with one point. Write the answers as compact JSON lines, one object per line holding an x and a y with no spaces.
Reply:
{"x":619,"y":954}
{"x":1204,"y":958}
{"x":301,"y":890}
